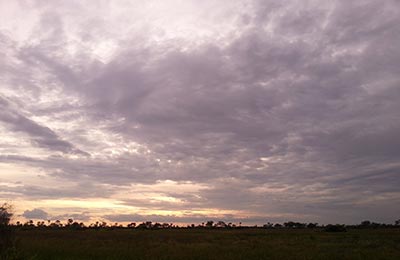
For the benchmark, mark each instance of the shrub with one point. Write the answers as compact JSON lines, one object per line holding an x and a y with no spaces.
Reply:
{"x":335,"y":228}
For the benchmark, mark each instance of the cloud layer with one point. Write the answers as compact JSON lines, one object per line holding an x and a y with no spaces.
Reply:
{"x":252,"y":109}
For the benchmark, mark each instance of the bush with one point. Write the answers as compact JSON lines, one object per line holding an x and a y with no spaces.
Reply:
{"x":335,"y":228}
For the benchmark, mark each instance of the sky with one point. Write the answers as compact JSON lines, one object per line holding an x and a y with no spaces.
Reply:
{"x":185,"y":111}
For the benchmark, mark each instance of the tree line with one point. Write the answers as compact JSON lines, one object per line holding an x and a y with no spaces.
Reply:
{"x":5,"y":217}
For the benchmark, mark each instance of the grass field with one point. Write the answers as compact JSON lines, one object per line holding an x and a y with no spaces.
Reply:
{"x":189,"y":244}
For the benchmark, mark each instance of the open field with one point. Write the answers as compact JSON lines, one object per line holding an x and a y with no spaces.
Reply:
{"x":208,"y":244}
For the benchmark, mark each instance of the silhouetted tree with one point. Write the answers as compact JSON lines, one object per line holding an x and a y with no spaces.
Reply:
{"x":268,"y":225}
{"x":76,"y":226}
{"x":141,"y":226}
{"x":292,"y":224}
{"x":365,"y":223}
{"x":157,"y":225}
{"x":5,"y":215}
{"x":95,"y":225}
{"x":29,"y":224}
{"x":6,"y":235}
{"x":166,"y":225}
{"x":335,"y":228}
{"x":312,"y":225}
{"x":41,"y":224}
{"x":209,"y":224}
{"x":131,"y":225}
{"x":103,"y":224}
{"x":70,"y":221}
{"x":220,"y":224}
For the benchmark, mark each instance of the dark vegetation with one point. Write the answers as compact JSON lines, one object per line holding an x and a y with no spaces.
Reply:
{"x":7,"y":242}
{"x":70,"y":224}
{"x":209,"y":240}
{"x":186,"y":244}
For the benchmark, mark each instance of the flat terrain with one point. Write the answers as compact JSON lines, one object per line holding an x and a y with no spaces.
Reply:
{"x":189,"y":244}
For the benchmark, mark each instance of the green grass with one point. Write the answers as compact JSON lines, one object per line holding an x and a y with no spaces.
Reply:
{"x":208,"y":244}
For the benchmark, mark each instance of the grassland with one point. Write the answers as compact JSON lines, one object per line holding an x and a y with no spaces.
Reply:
{"x":189,"y":244}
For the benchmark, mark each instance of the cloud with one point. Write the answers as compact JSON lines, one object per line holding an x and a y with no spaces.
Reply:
{"x":35,"y":214}
{"x":40,"y":135}
{"x":75,"y":216}
{"x":268,"y":107}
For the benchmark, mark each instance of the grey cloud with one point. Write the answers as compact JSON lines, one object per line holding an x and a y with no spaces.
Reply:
{"x":41,"y":135}
{"x":35,"y":214}
{"x":314,"y":89}
{"x":83,"y":216}
{"x":64,"y":191}
{"x":40,"y":214}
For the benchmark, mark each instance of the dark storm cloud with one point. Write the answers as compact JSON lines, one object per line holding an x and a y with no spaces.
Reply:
{"x":296,"y":114}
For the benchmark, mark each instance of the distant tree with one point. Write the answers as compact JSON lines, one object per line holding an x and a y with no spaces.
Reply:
{"x":53,"y":225}
{"x":221,"y":224}
{"x":289,"y":224}
{"x":268,"y":225}
{"x":76,"y":226}
{"x":312,"y":225}
{"x":95,"y":225}
{"x":103,"y":224}
{"x":292,"y":224}
{"x":209,"y":224}
{"x":141,"y":226}
{"x":397,"y":222}
{"x":41,"y":224}
{"x":29,"y":224}
{"x":132,"y":225}
{"x":335,"y":228}
{"x":365,"y":223}
{"x":166,"y":225}
{"x":149,"y":224}
{"x":157,"y":225}
{"x":70,"y":221}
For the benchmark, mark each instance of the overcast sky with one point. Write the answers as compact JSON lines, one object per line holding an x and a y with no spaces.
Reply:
{"x":183,"y":111}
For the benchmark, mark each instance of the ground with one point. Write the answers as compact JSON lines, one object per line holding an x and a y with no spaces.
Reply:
{"x":189,"y":244}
